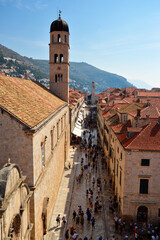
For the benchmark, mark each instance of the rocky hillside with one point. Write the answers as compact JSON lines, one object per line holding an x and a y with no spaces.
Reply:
{"x":81,"y":74}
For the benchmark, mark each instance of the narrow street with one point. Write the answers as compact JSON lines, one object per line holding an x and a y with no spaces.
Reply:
{"x":72,"y":193}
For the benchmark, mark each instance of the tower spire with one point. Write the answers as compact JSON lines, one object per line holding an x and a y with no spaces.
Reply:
{"x":60,"y":14}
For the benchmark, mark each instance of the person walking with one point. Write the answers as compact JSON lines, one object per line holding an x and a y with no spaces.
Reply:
{"x":100,"y":238}
{"x":67,"y":234}
{"x":77,"y":219}
{"x":74,"y":215}
{"x":58,"y":219}
{"x":85,"y":238}
{"x":93,"y":222}
{"x":64,"y":220}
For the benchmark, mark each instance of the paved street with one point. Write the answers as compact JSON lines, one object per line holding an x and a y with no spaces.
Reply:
{"x":72,"y":194}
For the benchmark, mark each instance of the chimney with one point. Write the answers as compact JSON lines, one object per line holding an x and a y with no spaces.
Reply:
{"x":138,"y":113}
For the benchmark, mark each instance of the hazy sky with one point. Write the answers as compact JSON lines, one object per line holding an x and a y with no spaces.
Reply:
{"x":119,"y":36}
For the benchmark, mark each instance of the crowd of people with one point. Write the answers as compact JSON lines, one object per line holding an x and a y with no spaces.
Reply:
{"x":88,"y":174}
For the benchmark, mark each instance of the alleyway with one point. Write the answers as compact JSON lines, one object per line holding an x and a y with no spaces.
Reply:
{"x":72,"y":194}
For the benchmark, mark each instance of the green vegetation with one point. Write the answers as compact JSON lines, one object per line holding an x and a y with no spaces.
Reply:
{"x":81,"y":74}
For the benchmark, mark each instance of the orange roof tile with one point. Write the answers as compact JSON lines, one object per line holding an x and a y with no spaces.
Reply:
{"x":148,"y":139}
{"x":27,"y":100}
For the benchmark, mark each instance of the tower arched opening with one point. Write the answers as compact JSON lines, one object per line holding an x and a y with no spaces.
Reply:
{"x":61,"y":58}
{"x":56,"y":58}
{"x":59,"y":38}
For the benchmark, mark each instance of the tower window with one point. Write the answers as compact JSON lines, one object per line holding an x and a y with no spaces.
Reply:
{"x":58,"y":78}
{"x":61,"y":58}
{"x":59,"y":38}
{"x":56,"y":58}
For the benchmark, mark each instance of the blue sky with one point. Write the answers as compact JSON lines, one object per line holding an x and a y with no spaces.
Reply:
{"x":119,"y":36}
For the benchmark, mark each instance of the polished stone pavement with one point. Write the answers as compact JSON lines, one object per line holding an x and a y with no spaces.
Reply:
{"x":72,"y":194}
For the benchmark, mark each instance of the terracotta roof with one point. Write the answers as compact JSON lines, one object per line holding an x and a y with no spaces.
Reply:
{"x":121,"y":128}
{"x":151,"y":111}
{"x":148,"y":94}
{"x":147,"y":139}
{"x":131,"y":107}
{"x":27,"y":100}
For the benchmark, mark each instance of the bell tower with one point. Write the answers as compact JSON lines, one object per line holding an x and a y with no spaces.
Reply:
{"x":59,"y":59}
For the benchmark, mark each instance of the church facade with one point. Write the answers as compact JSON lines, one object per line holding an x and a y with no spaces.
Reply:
{"x":34,"y":126}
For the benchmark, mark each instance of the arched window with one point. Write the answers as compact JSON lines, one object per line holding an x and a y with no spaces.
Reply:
{"x":61,"y":77}
{"x":142,"y":214}
{"x":56,"y":78}
{"x":56,"y":58}
{"x":61,"y":58}
{"x":59,"y":38}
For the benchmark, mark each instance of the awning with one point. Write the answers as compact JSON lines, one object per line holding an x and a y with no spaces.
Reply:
{"x":77,"y":131}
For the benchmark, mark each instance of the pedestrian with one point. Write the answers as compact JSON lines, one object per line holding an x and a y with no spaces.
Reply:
{"x":82,"y":220}
{"x":124,"y":224}
{"x":67,"y":234}
{"x":86,"y":177}
{"x":91,"y":238}
{"x":93,"y":222}
{"x":85,"y":238}
{"x":93,"y":180}
{"x":72,"y":230}
{"x":58,"y":219}
{"x":121,"y":228}
{"x":64,"y":220}
{"x":75,"y":235}
{"x":116,"y":223}
{"x":100,"y":238}
{"x":74,"y":215}
{"x":77,"y":219}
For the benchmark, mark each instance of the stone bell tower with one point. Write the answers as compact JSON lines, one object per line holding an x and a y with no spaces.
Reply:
{"x":59,"y":58}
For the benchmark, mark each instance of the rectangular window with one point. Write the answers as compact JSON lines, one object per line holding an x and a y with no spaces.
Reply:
{"x":145,"y":162}
{"x":121,"y":156}
{"x":117,"y":149}
{"x":143,"y":186}
{"x":120,"y":176}
{"x":43,"y":153}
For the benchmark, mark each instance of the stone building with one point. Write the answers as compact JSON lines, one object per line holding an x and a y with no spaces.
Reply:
{"x":59,"y":59}
{"x":14,"y":204}
{"x":35,"y":129}
{"x":131,"y":140}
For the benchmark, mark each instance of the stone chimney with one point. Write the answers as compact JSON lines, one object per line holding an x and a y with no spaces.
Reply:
{"x":138,"y":113}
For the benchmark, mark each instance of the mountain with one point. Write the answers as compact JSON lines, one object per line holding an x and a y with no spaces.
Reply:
{"x":140,"y":84}
{"x":81,"y":74}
